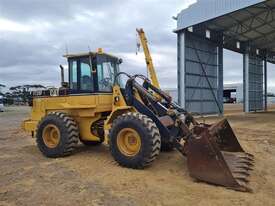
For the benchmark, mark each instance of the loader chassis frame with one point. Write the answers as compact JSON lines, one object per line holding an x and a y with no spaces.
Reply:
{"x":84,"y":109}
{"x":86,"y":106}
{"x":135,"y":121}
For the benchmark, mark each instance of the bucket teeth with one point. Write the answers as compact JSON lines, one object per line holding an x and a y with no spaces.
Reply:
{"x":239,"y":155}
{"x":217,"y":157}
{"x":241,"y":168}
{"x":239,"y":165}
{"x":243,"y":186}
{"x":238,"y":158}
{"x":238,"y":175}
{"x":250,"y":155}
{"x":240,"y":171}
{"x":244,"y":162}
{"x":241,"y":177}
{"x":245,"y":156}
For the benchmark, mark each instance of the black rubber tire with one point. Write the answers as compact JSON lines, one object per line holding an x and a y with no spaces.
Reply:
{"x":150,"y":140}
{"x":167,"y":146}
{"x":69,"y":135}
{"x":91,"y":143}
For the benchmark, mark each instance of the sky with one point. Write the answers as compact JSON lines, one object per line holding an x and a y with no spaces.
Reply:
{"x":34,"y":34}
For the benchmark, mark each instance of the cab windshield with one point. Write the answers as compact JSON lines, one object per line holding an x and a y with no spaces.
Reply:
{"x":107,"y":68}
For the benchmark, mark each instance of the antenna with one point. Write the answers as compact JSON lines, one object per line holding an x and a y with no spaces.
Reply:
{"x":90,"y":59}
{"x":66,"y":49}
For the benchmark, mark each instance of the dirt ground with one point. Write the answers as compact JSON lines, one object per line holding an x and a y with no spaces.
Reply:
{"x":91,"y":177}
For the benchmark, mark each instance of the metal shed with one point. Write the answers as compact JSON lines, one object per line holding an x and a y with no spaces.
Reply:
{"x":203,"y":30}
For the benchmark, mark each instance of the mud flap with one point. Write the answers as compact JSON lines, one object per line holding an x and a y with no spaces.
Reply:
{"x":214,"y":155}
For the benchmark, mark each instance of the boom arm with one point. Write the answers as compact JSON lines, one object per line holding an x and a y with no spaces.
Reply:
{"x":148,"y":58}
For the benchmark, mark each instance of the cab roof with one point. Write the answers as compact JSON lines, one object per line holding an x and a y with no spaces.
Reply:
{"x":77,"y":55}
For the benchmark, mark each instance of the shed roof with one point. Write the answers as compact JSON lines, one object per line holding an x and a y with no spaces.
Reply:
{"x":251,"y":22}
{"x":205,"y":10}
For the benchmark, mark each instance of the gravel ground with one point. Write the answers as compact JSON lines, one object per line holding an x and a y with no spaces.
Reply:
{"x":91,"y":177}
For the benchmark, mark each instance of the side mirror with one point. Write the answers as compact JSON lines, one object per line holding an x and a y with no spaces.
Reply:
{"x":120,"y":61}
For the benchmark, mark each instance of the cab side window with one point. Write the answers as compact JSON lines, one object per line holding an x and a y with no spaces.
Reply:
{"x":86,"y":76}
{"x":105,"y":75}
{"x":73,"y":74}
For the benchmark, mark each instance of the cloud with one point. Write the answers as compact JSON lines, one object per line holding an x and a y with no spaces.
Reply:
{"x":35,"y":34}
{"x":8,"y":25}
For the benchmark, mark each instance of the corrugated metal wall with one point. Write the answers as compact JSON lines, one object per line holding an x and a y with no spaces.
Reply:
{"x":256,"y":92}
{"x":195,"y":93}
{"x":204,"y":10}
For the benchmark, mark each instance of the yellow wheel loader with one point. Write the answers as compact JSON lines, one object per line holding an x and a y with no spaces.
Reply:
{"x":135,"y":120}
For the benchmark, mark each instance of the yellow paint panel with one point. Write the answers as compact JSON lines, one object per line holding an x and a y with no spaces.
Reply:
{"x":84,"y":109}
{"x":29,"y":125}
{"x":84,"y":125}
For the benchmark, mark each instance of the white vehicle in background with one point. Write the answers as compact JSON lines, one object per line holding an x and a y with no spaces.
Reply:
{"x":1,"y":104}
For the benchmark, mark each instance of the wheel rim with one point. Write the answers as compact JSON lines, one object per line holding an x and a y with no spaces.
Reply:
{"x":128,"y":142}
{"x":51,"y":136}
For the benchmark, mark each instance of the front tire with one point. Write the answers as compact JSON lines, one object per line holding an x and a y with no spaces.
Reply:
{"x":57,"y":135}
{"x":135,"y":141}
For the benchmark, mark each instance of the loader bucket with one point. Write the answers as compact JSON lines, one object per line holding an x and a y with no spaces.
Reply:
{"x":214,"y":155}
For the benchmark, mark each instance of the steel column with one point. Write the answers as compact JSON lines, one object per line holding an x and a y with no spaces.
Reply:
{"x":181,"y":69}
{"x":220,"y":77}
{"x":253,"y":83}
{"x":246,"y":81}
{"x":265,"y":84}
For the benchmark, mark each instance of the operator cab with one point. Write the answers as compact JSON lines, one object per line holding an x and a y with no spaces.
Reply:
{"x":92,"y":72}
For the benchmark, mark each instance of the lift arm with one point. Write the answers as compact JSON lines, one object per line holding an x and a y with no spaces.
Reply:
{"x":148,"y":58}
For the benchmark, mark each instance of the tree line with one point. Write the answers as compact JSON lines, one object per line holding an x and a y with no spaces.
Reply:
{"x":269,"y":94}
{"x":18,"y":94}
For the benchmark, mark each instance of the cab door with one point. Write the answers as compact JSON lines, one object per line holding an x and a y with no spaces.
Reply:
{"x":106,"y":70}
{"x":81,"y":77}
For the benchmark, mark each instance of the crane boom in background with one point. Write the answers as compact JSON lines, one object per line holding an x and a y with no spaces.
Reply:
{"x":148,"y":58}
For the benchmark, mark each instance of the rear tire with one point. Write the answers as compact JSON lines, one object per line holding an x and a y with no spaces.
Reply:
{"x":148,"y":140}
{"x":68,"y":132}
